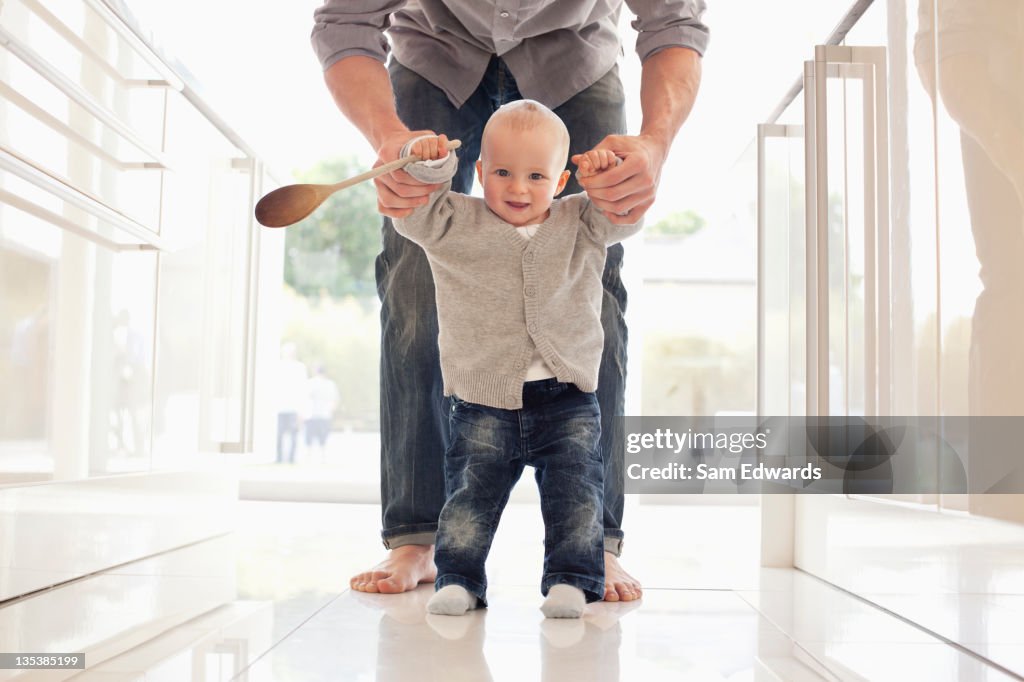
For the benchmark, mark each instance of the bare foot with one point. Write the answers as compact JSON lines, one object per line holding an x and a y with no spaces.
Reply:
{"x":405,"y":568}
{"x":619,"y":585}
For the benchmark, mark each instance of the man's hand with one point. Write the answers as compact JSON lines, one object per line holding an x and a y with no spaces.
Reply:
{"x":398,"y":193}
{"x":669,"y":81}
{"x":624,"y":193}
{"x":361,"y":88}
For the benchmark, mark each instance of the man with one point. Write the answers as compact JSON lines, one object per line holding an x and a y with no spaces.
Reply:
{"x":454,"y":63}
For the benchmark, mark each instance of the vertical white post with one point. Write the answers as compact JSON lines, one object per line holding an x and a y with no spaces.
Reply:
{"x":811,"y":239}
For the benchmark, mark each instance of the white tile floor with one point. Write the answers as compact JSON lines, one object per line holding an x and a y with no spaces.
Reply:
{"x":269,"y":603}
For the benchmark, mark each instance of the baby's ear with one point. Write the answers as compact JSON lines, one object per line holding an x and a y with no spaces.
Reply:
{"x":562,"y":179}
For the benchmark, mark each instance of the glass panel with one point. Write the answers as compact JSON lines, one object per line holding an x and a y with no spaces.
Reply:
{"x":179,"y":358}
{"x":981,"y":189}
{"x":913,"y":274}
{"x":211,"y":237}
{"x":202,"y":162}
{"x":782,"y":279}
{"x":978,"y":62}
{"x":849,"y":224}
{"x":78,"y":298}
{"x":26,"y":359}
{"x":71,"y":310}
{"x":122,"y":362}
{"x":836,"y":235}
{"x":228,"y":244}
{"x":797,"y":210}
{"x":912,"y":350}
{"x":691,"y":367}
{"x":860,"y":224}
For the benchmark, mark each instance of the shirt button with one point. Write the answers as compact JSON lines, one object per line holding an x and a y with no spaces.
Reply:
{"x":530,"y":292}
{"x":503,"y":15}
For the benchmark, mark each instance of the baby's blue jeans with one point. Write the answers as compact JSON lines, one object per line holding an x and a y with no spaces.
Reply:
{"x":557,"y":431}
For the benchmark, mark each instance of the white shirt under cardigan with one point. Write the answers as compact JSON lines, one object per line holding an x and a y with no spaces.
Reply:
{"x":538,"y":369}
{"x":501,"y":296}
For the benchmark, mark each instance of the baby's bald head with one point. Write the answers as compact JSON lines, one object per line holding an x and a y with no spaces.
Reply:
{"x":527,"y":115}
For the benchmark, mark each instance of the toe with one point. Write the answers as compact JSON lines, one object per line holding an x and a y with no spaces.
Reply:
{"x":383,"y":582}
{"x":389,"y":586}
{"x":393,"y":583}
{"x":611,"y":594}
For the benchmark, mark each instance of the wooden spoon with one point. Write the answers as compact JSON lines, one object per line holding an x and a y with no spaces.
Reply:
{"x":289,"y":204}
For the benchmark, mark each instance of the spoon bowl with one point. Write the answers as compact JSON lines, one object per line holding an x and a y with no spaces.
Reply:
{"x":290,"y":204}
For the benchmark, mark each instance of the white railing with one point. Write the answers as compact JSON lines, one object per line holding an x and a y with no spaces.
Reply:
{"x":831,"y":370}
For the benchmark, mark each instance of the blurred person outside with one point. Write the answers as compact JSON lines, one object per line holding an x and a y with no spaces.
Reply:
{"x":322,"y":396}
{"x":290,"y":391}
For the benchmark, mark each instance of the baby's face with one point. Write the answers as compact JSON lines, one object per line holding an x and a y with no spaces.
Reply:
{"x":521,"y":172}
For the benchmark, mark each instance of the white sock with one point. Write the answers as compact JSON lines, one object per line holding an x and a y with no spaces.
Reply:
{"x":451,"y":600}
{"x":564,"y":601}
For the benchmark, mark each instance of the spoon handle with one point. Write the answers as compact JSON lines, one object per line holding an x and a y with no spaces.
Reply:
{"x":386,"y":168}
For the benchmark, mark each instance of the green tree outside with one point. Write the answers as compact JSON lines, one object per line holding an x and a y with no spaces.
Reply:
{"x":678,"y":224}
{"x":332,"y":251}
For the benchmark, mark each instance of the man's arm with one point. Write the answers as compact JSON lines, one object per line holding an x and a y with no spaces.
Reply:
{"x":348,"y":39}
{"x":669,"y":82}
{"x":361,"y":88}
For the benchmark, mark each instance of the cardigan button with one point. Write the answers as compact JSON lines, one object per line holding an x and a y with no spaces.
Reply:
{"x":528,"y":257}
{"x":531,"y":292}
{"x":533,"y":327}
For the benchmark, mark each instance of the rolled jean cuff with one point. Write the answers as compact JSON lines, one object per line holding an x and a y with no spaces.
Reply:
{"x":474,"y":588}
{"x":422,"y":534}
{"x":613,"y":541}
{"x":592,"y":588}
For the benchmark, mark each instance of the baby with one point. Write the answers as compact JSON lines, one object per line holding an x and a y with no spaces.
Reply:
{"x":518,"y":286}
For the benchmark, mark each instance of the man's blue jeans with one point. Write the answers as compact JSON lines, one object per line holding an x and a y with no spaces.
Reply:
{"x":413,"y":409}
{"x":558,"y":432}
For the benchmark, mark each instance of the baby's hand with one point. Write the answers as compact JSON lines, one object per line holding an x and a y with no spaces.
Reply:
{"x":593,"y":162}
{"x":431,"y":148}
